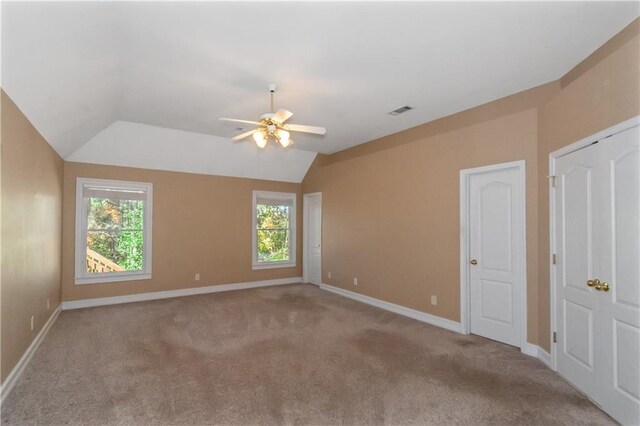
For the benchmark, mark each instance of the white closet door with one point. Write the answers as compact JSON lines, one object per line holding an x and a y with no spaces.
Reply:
{"x":619,"y":252}
{"x":598,"y":272}
{"x":577,"y":304}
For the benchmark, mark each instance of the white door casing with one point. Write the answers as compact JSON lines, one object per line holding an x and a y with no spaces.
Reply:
{"x":493,"y":255}
{"x":597,"y":236}
{"x":313,"y":238}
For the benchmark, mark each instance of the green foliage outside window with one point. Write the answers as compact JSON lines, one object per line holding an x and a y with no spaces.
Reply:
{"x":115,"y":230}
{"x":273,"y":233}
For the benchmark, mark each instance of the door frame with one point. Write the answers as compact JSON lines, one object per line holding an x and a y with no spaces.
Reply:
{"x":553,"y":156}
{"x":465,"y":177}
{"x":305,"y":239}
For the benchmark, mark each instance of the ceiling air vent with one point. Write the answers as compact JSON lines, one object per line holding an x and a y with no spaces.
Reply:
{"x":400,"y":110}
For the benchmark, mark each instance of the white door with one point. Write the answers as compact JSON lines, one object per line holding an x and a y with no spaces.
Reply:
{"x":496,"y":247}
{"x":598,"y":274}
{"x":313,"y":238}
{"x":575,"y":241}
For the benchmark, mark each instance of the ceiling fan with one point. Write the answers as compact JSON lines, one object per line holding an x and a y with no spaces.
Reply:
{"x":271,"y":124}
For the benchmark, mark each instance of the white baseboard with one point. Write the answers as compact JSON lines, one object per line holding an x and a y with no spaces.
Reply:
{"x":12,"y":378}
{"x":398,"y":309}
{"x":545,"y":357}
{"x":141,"y":297}
{"x":537,"y":352}
{"x":530,"y":349}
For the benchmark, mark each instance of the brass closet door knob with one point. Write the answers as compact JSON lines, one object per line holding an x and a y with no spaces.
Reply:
{"x":602,"y":286}
{"x":474,"y":262}
{"x":598,"y":285}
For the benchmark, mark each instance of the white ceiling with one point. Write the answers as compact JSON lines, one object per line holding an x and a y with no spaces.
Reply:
{"x":129,"y":144}
{"x":77,"y":68}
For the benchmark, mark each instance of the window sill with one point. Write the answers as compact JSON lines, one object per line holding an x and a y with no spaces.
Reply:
{"x":112,"y":278}
{"x":273,"y":265}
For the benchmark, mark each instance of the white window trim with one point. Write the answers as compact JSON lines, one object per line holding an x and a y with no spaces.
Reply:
{"x":81,"y":276}
{"x":285,"y":196}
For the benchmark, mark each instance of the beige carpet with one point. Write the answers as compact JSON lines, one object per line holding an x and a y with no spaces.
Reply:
{"x":280,"y":355}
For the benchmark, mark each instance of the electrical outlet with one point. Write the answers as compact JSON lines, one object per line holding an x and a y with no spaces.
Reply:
{"x":48,"y":306}
{"x":329,"y":275}
{"x":434,"y":300}
{"x":355,"y":281}
{"x":32,"y":322}
{"x":197,"y":276}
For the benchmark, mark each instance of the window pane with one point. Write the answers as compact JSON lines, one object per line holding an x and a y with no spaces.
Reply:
{"x":115,"y":235}
{"x":272,"y":217}
{"x":273,"y":245}
{"x":114,"y":251}
{"x":115,"y":214}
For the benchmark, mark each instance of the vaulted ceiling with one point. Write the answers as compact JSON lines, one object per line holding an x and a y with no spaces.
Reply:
{"x":143,"y":83}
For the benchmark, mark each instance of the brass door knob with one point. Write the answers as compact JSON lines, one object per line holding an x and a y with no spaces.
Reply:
{"x":598,"y":285}
{"x":474,"y":262}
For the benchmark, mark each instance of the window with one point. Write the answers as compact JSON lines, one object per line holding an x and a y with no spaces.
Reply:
{"x":113,"y":231}
{"x":274,"y":227}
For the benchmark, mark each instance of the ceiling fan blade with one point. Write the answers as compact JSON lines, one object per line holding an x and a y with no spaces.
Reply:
{"x":306,"y":129}
{"x":281,"y":116}
{"x":244,"y":135}
{"x":235,"y":120}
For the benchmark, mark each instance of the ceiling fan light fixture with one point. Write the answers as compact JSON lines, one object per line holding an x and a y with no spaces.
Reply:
{"x":283,"y":137}
{"x":272,"y":125}
{"x":285,"y":142}
{"x":260,"y":138}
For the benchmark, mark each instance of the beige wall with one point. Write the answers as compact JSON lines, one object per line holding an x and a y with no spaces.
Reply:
{"x":31,"y":233}
{"x":391,"y":206}
{"x":600,"y":92}
{"x":391,"y":218}
{"x":201,"y":224}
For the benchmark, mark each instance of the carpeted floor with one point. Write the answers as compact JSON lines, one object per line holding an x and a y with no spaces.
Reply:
{"x":280,"y":355}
